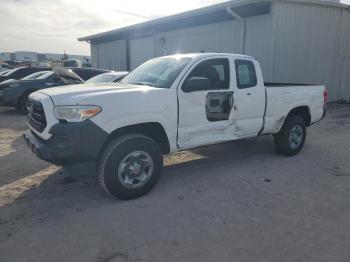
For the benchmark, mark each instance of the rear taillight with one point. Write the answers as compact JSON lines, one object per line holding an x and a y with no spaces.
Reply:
{"x":325,"y":97}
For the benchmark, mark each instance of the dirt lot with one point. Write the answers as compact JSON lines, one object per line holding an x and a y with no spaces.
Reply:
{"x":231,"y":202}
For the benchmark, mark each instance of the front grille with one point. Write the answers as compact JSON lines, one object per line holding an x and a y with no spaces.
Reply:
{"x":36,"y":115}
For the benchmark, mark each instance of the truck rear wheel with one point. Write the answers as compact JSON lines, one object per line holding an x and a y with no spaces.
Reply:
{"x":291,"y":139}
{"x":130,"y":166}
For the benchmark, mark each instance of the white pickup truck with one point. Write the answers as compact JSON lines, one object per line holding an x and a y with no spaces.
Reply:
{"x":165,"y":105}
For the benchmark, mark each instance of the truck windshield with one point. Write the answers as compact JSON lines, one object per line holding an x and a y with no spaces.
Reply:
{"x":158,"y":72}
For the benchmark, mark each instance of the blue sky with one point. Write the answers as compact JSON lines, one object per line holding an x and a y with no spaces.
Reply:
{"x":54,"y":25}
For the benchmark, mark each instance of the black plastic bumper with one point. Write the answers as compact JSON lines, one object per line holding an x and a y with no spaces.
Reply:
{"x":70,"y":143}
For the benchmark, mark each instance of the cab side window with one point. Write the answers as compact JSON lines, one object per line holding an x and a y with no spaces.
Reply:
{"x":245,"y":74}
{"x":209,"y":75}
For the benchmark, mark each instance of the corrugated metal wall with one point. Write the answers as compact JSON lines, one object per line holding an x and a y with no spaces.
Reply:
{"x":296,"y":42}
{"x":140,"y":50}
{"x":94,"y":55}
{"x":217,"y":37}
{"x":306,"y":44}
{"x":259,"y":42}
{"x":109,"y":55}
{"x":344,"y":93}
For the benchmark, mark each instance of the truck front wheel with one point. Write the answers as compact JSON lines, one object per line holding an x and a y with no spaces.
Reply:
{"x":291,"y":139}
{"x":130,"y":166}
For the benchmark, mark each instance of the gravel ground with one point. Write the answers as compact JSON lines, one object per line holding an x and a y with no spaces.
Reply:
{"x":231,"y":202}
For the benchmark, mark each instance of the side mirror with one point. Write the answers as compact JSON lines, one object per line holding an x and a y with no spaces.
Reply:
{"x":196,"y":84}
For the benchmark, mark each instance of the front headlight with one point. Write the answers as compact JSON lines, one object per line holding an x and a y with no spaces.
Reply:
{"x":76,"y":113}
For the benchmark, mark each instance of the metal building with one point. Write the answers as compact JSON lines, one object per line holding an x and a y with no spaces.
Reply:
{"x":26,"y":56}
{"x":295,"y":41}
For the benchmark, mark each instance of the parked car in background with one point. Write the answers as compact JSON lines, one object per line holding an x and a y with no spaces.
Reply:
{"x":107,"y":77}
{"x":45,"y":64}
{"x":5,"y":72}
{"x":15,"y":94}
{"x":4,"y":67}
{"x":29,"y":77}
{"x":86,"y":73}
{"x":71,"y":63}
{"x":165,"y":105}
{"x":20,"y":72}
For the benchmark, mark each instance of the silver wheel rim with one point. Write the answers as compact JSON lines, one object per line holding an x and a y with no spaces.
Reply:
{"x":296,"y":136}
{"x":135,"y":169}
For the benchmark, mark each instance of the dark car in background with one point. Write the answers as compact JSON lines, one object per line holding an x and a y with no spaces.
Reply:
{"x":28,"y":77}
{"x":86,"y":73}
{"x":20,"y":72}
{"x":15,"y":93}
{"x":5,"y":72}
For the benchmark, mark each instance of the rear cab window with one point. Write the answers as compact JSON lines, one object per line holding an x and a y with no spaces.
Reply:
{"x":245,"y":73}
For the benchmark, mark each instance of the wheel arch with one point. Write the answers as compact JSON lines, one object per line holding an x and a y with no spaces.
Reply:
{"x":20,"y":96}
{"x":302,"y":111}
{"x":153,"y":130}
{"x":23,"y":93}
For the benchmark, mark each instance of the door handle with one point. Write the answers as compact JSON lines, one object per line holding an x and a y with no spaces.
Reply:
{"x":248,"y":94}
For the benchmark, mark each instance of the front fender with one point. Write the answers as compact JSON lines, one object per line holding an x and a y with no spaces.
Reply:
{"x":120,"y":121}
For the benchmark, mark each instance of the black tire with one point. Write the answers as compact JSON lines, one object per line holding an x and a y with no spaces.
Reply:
{"x":22,"y":104}
{"x":286,"y":146}
{"x":112,"y":157}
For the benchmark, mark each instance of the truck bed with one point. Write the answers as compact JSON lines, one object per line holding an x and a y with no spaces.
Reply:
{"x":281,"y":99}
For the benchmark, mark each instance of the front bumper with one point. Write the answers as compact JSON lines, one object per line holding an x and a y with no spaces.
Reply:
{"x":70,"y":143}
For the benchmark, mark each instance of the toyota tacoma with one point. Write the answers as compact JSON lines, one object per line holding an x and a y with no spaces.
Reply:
{"x":166,"y":105}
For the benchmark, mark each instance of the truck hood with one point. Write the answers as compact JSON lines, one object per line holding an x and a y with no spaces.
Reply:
{"x":76,"y":94}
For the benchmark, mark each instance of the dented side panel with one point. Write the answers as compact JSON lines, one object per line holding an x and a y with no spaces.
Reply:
{"x":205,"y":116}
{"x":219,"y":105}
{"x":282,"y":100}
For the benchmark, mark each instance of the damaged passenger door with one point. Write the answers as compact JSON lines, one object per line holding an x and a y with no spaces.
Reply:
{"x":206,"y":104}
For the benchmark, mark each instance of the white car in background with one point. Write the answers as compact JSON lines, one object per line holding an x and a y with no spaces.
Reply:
{"x":107,"y":77}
